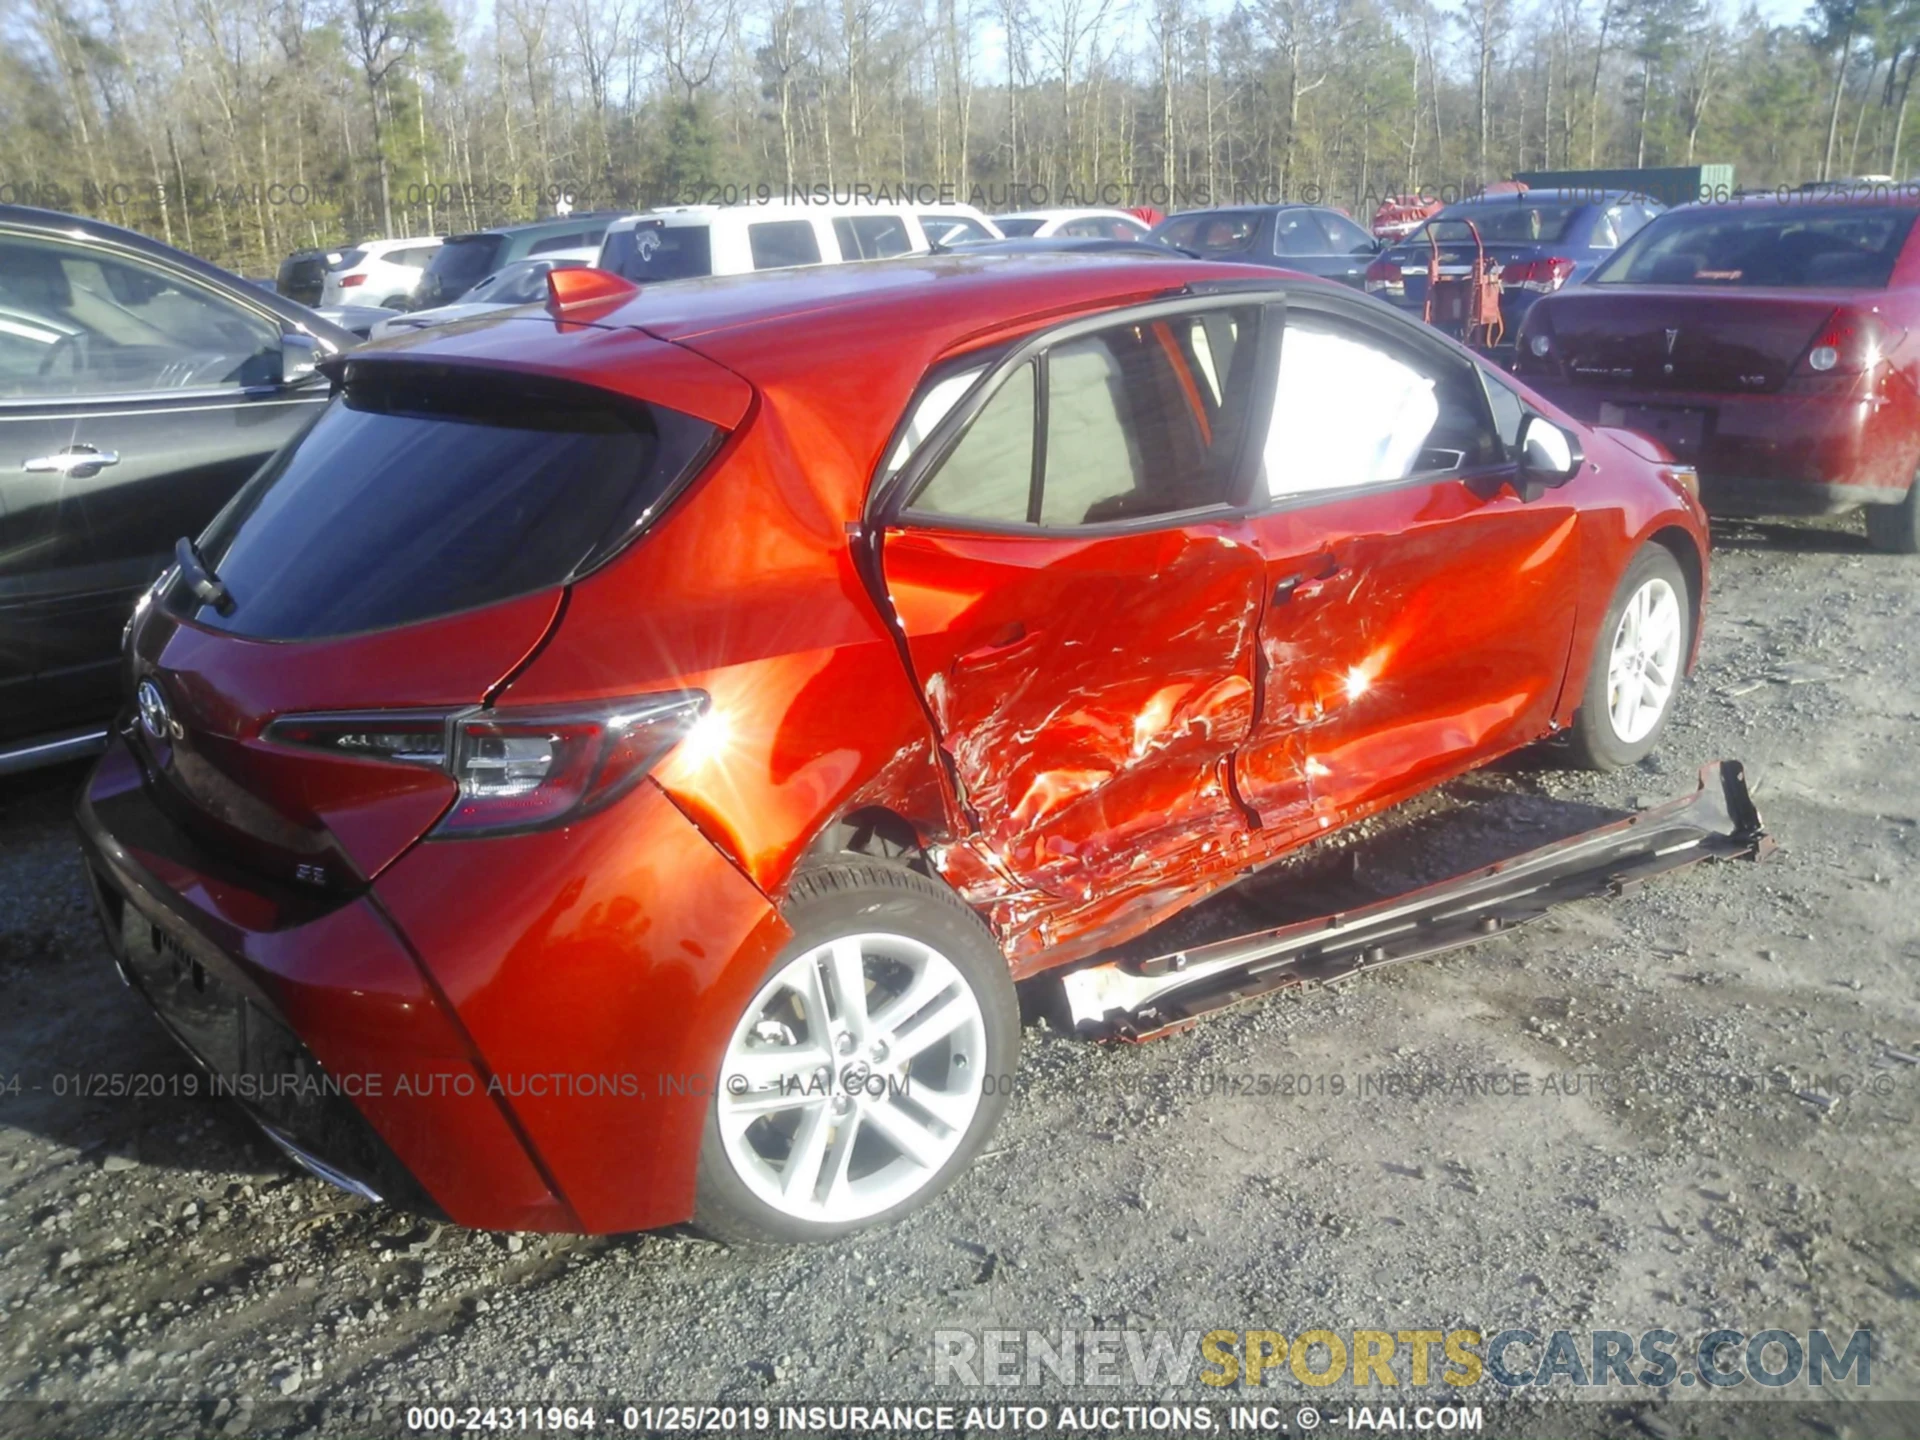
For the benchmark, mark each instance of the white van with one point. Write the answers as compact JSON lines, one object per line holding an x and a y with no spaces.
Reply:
{"x":684,"y":242}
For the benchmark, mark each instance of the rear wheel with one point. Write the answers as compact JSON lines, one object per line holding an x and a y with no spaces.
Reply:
{"x":1896,"y":528}
{"x":1637,"y":664}
{"x":869,"y":1067}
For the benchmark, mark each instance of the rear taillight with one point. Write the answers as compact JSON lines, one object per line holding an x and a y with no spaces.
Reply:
{"x":347,"y":282}
{"x":522,"y":769}
{"x":1384,"y":278}
{"x":1850,"y":342}
{"x":517,"y":769}
{"x":1545,"y":275}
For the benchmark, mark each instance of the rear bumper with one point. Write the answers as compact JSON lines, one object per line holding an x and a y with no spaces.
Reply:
{"x":520,"y":1033}
{"x":312,"y":1016}
{"x":1780,"y":454}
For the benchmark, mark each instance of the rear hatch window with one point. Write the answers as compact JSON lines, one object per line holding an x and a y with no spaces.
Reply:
{"x":1785,"y":246}
{"x":458,"y":265}
{"x":1505,"y":223}
{"x":423,"y":490}
{"x":653,"y":250}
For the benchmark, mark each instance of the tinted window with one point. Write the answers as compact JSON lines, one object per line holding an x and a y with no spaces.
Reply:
{"x":988,"y":475}
{"x":346,"y":259}
{"x":1506,"y":222}
{"x":76,"y":321}
{"x":777,"y":244}
{"x":945,"y":229}
{"x":871,"y":237}
{"x":1213,"y":232}
{"x":1298,"y":232}
{"x":422,"y":490}
{"x":655,"y":251}
{"x":1344,"y":236}
{"x":458,"y":264}
{"x":1012,"y":228}
{"x":1353,"y":410}
{"x":579,"y":240}
{"x":1778,"y":245}
{"x":413,"y":259}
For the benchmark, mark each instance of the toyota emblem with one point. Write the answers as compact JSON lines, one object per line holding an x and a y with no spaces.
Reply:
{"x":155,"y":718}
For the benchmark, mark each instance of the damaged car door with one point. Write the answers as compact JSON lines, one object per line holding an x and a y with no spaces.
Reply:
{"x":1078,"y":597}
{"x":1419,"y":607}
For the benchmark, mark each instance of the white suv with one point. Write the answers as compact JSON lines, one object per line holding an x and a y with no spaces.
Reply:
{"x":377,"y":272}
{"x":684,"y":242}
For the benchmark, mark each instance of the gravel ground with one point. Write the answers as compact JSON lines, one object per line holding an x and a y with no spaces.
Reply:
{"x":1740,"y":1151}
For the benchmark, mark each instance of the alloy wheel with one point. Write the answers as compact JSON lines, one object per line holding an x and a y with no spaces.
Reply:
{"x":852,"y":1078}
{"x":1645,"y":661}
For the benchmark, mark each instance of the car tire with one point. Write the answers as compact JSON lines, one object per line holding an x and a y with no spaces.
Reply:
{"x":926,"y":962}
{"x":1639,"y":659}
{"x":1896,"y":528}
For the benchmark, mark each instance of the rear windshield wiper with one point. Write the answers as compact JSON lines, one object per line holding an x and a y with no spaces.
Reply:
{"x":200,"y":577}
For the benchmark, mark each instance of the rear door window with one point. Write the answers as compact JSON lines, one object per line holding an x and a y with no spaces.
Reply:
{"x":1138,"y":420}
{"x":779,"y":244}
{"x":425,"y":490}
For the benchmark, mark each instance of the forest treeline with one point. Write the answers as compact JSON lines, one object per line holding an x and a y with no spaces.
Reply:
{"x":243,"y":129}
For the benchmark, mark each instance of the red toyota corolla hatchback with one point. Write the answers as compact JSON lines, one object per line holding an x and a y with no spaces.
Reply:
{"x":1773,"y":343}
{"x":612,"y":768}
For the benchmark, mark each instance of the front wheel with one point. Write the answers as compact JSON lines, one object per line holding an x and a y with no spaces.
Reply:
{"x":869,"y":1067}
{"x":1637,"y":664}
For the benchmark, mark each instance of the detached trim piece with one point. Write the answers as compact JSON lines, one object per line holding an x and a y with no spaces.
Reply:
{"x":1141,"y":1000}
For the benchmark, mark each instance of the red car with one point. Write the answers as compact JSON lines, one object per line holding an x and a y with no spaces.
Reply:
{"x":1773,"y":342}
{"x":614,"y":767}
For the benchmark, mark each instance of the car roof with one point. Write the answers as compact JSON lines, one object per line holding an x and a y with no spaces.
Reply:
{"x":1906,"y":197}
{"x":83,"y":227}
{"x":524,"y":227}
{"x":836,"y":351}
{"x":1069,"y":212}
{"x":1274,"y":209}
{"x":1516,"y":199}
{"x":391,"y":244}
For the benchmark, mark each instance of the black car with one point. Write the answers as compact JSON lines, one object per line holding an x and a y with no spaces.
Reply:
{"x":1312,"y":239}
{"x":465,"y":260}
{"x":139,"y":387}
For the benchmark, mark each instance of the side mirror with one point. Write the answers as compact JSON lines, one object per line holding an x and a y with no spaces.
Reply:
{"x":1549,"y":455}
{"x":299,"y":357}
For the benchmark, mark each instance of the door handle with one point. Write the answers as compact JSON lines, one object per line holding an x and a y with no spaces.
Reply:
{"x":1009,"y":640}
{"x":79,"y":461}
{"x":1303,"y":584}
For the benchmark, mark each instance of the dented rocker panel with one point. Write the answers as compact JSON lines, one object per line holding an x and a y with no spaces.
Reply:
{"x":1140,"y":1000}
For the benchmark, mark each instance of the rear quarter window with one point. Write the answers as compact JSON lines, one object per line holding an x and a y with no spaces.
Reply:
{"x":425,"y":490}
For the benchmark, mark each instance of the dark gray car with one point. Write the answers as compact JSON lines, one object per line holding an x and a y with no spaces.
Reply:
{"x":139,"y":387}
{"x":1311,"y":239}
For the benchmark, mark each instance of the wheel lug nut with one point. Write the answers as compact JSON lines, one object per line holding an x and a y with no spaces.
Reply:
{"x":845,"y":1044}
